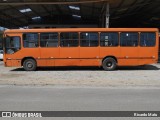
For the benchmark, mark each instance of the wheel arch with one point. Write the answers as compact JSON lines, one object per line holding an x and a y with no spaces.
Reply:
{"x":110,"y":56}
{"x":25,"y":58}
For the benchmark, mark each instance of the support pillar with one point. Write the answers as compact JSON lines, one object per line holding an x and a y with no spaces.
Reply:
{"x":107,"y":15}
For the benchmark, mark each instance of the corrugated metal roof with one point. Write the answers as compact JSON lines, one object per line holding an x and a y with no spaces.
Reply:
{"x":123,"y":13}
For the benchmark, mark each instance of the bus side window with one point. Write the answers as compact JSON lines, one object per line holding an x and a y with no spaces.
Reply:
{"x":89,"y":39}
{"x":49,"y":39}
{"x":147,"y":39}
{"x":108,"y":39}
{"x":129,"y":39}
{"x":30,"y":40}
{"x":69,"y":39}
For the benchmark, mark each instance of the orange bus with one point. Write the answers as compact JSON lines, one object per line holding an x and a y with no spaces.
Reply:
{"x":106,"y":47}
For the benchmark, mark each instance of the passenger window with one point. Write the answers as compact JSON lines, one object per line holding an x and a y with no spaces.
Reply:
{"x":109,"y":39}
{"x":89,"y":39}
{"x":69,"y":39}
{"x":49,"y":40}
{"x":129,"y":39}
{"x":30,"y":40}
{"x":148,"y":39}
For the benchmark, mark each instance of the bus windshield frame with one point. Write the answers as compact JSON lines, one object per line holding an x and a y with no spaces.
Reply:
{"x":12,"y":44}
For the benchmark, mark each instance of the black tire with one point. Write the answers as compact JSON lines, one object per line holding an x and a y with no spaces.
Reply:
{"x":29,"y":65}
{"x":109,"y":64}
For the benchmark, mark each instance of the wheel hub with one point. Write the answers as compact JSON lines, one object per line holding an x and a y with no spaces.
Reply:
{"x":29,"y":65}
{"x":109,"y":64}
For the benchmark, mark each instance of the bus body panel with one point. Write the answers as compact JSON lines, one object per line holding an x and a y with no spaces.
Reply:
{"x":68,"y":57}
{"x":147,"y":55}
{"x":83,"y":56}
{"x":48,"y":55}
{"x":129,"y":56}
{"x":89,"y":56}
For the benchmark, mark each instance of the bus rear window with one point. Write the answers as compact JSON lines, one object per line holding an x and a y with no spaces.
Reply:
{"x":147,"y":39}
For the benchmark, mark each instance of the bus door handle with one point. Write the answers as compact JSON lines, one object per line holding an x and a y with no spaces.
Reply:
{"x":51,"y":57}
{"x":69,"y":57}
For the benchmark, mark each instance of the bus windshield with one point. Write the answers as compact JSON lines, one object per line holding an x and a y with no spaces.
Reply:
{"x":12,"y":44}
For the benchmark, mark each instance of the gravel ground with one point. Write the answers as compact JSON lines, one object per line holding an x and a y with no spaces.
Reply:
{"x":148,"y":75}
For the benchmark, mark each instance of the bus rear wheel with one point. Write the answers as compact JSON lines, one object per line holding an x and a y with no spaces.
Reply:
{"x":29,"y":65}
{"x":109,"y":64}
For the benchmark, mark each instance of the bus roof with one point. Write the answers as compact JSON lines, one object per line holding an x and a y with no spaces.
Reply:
{"x":82,"y":30}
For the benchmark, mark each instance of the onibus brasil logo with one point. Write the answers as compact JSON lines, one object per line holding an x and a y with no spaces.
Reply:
{"x":21,"y":114}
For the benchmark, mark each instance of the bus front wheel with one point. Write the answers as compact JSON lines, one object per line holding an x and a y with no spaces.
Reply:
{"x":109,"y":64}
{"x":29,"y":65}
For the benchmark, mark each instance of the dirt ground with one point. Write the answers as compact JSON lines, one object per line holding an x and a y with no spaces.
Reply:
{"x":148,"y":75}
